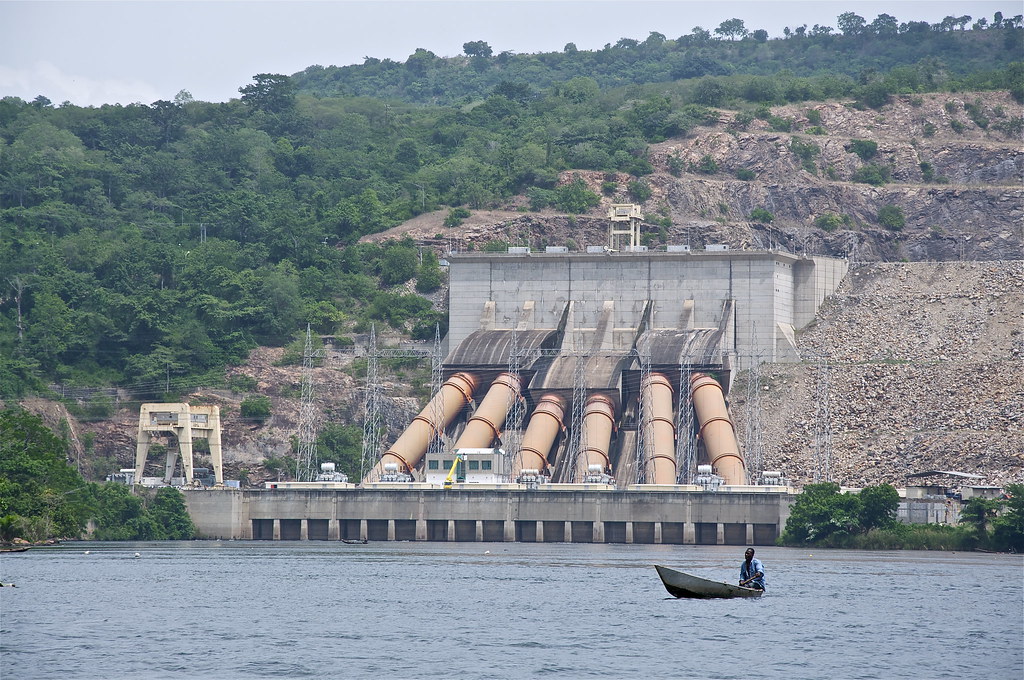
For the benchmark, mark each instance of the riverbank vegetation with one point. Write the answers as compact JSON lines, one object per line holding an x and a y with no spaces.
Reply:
{"x":43,"y":496}
{"x":824,"y":517}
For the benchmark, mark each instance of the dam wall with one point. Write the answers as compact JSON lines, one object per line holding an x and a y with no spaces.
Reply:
{"x":669,"y":515}
{"x":775,"y":293}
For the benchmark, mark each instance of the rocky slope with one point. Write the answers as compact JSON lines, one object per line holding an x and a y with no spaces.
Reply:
{"x":921,"y":366}
{"x":958,"y":189}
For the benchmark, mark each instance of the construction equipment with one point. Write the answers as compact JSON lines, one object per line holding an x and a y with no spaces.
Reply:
{"x":460,"y":459}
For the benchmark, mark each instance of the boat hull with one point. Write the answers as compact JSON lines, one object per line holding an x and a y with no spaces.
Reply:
{"x":679,"y":584}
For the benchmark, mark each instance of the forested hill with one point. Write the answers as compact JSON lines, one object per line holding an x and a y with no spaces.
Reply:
{"x":149,"y":246}
{"x":839,"y":61}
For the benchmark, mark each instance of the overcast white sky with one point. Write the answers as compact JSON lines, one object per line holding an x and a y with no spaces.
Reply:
{"x":90,"y":52}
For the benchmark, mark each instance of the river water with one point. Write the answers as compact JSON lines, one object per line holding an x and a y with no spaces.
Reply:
{"x":241,"y":609}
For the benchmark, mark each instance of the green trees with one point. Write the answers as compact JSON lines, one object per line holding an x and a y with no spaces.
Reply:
{"x":824,"y":516}
{"x":42,"y":496}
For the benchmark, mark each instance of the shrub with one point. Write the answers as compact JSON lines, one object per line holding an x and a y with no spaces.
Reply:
{"x":875,"y":175}
{"x":639,"y":191}
{"x":675,"y":165}
{"x":891,"y":217}
{"x":927,"y":171}
{"x":864,"y":148}
{"x":575,"y":197}
{"x":745,"y":174}
{"x":706,"y":165}
{"x":813,"y":116}
{"x":256,"y":407}
{"x":957,"y":126}
{"x":608,"y":188}
{"x":816,"y":130}
{"x":761,"y":216}
{"x":929,"y":129}
{"x":831,"y":221}
{"x":455,"y":217}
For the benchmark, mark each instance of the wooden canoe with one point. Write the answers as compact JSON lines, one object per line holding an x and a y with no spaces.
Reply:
{"x":679,"y":584}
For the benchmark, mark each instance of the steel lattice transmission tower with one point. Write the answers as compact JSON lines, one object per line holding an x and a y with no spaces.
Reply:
{"x":644,"y":358}
{"x":686,"y":442}
{"x":372,"y":427}
{"x":305,"y":466}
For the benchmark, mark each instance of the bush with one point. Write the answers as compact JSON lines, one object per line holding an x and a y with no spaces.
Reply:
{"x":929,"y":129}
{"x":706,"y":165}
{"x":830,"y":221}
{"x":675,"y":165}
{"x":575,"y":197}
{"x":891,"y":217}
{"x":864,"y":148}
{"x":256,"y":407}
{"x":761,"y":216}
{"x":875,"y":175}
{"x":608,"y":188}
{"x":639,"y":191}
{"x":927,"y":171}
{"x":957,"y":126}
{"x":455,"y":217}
{"x":745,"y":174}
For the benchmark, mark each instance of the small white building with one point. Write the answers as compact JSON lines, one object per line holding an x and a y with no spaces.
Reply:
{"x":481,"y":466}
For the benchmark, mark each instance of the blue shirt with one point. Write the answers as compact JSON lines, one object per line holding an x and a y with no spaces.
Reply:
{"x":755,"y":566}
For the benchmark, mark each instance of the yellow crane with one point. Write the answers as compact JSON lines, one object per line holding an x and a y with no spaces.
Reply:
{"x":459,"y":457}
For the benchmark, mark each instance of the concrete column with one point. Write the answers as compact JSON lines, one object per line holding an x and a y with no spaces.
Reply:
{"x":364,"y":532}
{"x":539,"y":531}
{"x":277,"y":530}
{"x":598,"y":532}
{"x":391,"y":529}
{"x":509,"y":531}
{"x":303,"y":529}
{"x":333,"y":530}
{"x":750,"y":534}
{"x":421,"y":530}
{"x":657,"y":533}
{"x":451,"y":530}
{"x":629,"y":532}
{"x":479,"y":531}
{"x":689,"y":533}
{"x":568,"y":532}
{"x":719,"y":534}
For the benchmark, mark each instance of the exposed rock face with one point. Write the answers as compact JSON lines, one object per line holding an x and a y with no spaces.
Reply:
{"x":960,"y":192}
{"x":925,"y":370}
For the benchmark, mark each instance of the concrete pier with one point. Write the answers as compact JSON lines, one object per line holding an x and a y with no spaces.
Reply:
{"x":553,"y":516}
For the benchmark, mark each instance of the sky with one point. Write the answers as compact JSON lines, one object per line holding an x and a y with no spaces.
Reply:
{"x":91,"y":52}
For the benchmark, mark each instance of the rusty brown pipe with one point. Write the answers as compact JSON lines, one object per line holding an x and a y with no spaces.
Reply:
{"x":716,"y":429}
{"x":545,"y":424}
{"x":598,"y":422}
{"x":485,"y":425}
{"x":659,"y":430}
{"x":409,"y":448}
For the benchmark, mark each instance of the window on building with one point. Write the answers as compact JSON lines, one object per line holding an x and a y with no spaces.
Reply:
{"x":485,"y":465}
{"x":447,"y":465}
{"x":432,"y":464}
{"x":474,"y":465}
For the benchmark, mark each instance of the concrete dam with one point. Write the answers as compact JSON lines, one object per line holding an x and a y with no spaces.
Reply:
{"x":583,"y":397}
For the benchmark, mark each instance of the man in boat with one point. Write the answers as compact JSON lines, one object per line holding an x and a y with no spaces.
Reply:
{"x":751,"y":571}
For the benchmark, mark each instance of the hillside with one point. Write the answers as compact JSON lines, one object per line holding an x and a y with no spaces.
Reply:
{"x":942,"y":390}
{"x":957,"y":186}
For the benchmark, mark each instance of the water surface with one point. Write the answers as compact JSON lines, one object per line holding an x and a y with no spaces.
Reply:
{"x":242,"y":609}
